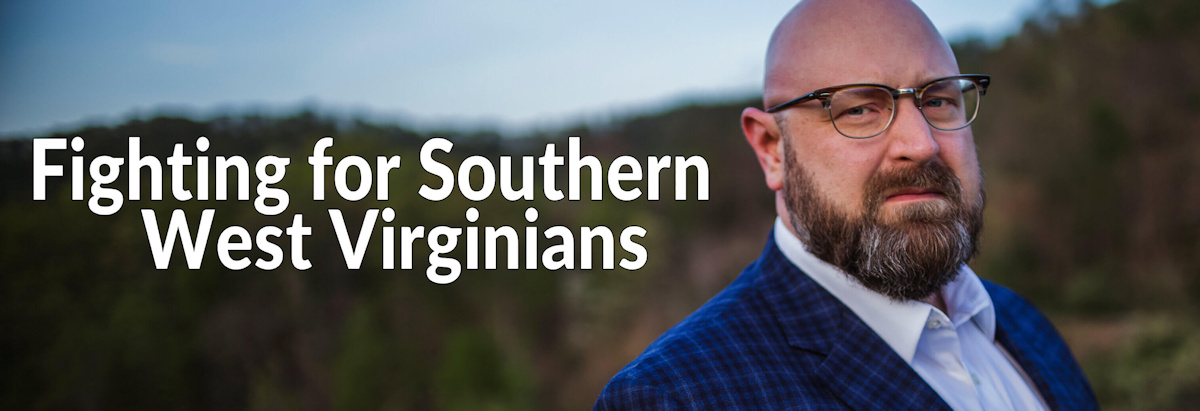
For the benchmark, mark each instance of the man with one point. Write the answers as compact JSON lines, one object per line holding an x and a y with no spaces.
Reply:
{"x":862,"y":298}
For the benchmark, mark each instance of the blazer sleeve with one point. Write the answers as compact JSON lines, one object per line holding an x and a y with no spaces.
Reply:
{"x":624,"y":393}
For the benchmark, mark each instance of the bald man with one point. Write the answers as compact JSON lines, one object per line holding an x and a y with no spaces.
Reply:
{"x":862,"y":298}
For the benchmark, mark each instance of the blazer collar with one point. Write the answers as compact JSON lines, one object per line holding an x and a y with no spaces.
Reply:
{"x":1021,"y":339}
{"x":859,"y":366}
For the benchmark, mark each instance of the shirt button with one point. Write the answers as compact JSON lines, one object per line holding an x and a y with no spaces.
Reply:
{"x":975,"y":378}
{"x":933,"y":324}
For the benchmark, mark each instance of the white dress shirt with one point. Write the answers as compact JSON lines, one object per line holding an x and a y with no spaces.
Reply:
{"x":956,"y":354}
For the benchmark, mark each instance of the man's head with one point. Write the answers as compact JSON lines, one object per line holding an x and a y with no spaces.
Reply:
{"x":899,"y":211}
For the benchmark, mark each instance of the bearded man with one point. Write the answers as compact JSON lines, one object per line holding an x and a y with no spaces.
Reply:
{"x":862,"y":298}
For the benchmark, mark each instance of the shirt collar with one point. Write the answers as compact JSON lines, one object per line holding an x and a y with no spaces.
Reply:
{"x":899,"y":324}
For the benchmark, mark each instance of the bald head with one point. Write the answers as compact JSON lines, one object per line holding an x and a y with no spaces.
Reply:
{"x":822,"y":43}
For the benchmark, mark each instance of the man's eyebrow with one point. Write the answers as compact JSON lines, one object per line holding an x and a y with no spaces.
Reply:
{"x":929,"y":79}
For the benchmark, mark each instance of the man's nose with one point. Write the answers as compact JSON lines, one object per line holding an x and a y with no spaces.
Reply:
{"x":910,"y":137}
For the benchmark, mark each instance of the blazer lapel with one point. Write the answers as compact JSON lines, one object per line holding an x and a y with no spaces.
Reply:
{"x":1016,"y":340}
{"x":865,"y":373}
{"x":860,"y":368}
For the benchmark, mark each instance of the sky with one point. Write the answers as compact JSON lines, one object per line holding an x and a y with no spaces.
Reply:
{"x":510,"y":65}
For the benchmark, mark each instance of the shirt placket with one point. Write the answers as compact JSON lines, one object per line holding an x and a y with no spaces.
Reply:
{"x":940,"y":343}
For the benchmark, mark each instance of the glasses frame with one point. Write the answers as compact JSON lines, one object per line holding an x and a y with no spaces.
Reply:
{"x":825,"y":95}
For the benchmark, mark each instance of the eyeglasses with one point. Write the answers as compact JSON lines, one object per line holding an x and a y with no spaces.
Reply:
{"x":866,"y":110}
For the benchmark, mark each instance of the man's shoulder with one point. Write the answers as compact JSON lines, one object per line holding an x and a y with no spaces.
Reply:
{"x":1003,"y":295}
{"x":729,"y":351}
{"x":735,"y":320}
{"x":1039,"y":348}
{"x":1012,"y":305}
{"x":1018,"y":316}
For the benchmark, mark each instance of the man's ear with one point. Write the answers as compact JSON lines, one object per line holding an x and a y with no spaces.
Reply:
{"x":762,"y":132}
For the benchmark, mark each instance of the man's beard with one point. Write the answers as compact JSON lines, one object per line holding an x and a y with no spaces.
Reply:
{"x":908,"y":258}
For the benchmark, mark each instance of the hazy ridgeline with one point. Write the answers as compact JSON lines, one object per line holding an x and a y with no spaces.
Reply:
{"x":1090,"y":143}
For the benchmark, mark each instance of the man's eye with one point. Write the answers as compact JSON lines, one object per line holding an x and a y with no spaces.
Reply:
{"x":937,"y":103}
{"x":855,"y":111}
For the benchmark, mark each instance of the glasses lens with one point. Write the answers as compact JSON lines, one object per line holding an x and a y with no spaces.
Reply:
{"x":860,"y":112}
{"x":950,"y":104}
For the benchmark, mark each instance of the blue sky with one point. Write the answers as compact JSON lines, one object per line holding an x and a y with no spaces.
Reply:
{"x":507,"y":64}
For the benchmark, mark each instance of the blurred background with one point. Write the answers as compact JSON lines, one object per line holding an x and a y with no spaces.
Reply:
{"x":1088,"y":140}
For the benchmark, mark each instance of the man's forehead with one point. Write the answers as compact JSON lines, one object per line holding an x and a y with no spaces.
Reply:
{"x":882,"y":62}
{"x":829,"y":42}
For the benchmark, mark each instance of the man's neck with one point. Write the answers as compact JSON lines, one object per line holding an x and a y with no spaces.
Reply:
{"x":937,"y":301}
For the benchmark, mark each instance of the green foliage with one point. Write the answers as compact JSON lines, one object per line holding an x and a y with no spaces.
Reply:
{"x":1154,"y":370}
{"x":92,"y":321}
{"x":474,"y":374}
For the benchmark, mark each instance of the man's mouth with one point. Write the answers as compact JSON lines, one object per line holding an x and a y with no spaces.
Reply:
{"x":913,"y":194}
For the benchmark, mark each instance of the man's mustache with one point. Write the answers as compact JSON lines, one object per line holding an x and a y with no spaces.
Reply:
{"x":933,"y":177}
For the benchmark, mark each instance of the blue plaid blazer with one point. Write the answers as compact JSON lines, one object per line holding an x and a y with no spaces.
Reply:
{"x":775,"y":339}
